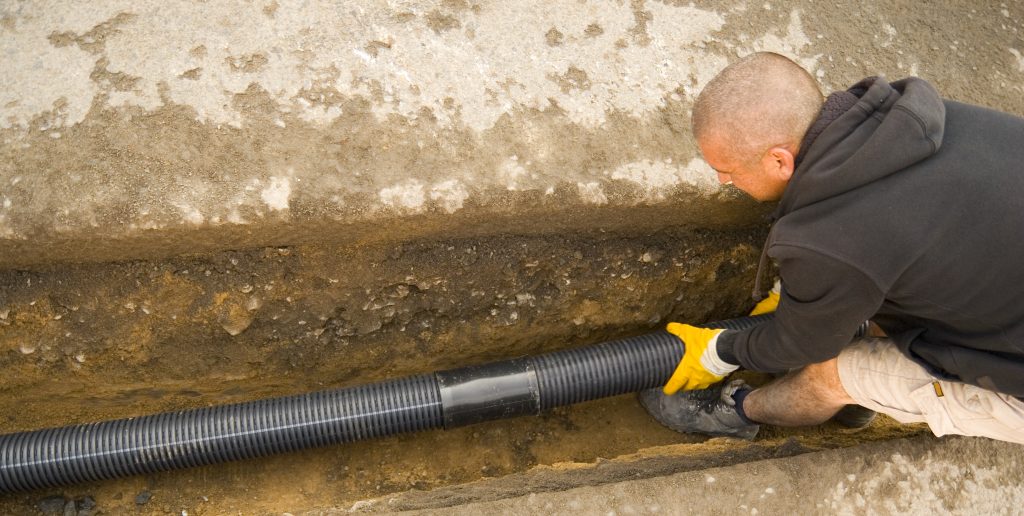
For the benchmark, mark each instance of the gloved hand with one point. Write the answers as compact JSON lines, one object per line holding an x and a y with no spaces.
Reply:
{"x":701,"y":366}
{"x":770,"y":303}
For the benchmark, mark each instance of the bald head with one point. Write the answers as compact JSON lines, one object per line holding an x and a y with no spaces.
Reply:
{"x":758,"y":102}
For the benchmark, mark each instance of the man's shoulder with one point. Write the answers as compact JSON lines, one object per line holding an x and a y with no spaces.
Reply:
{"x":871,"y":246}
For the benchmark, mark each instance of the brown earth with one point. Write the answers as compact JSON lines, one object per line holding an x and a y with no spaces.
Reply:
{"x":274,"y":321}
{"x":93,"y":342}
{"x":592,"y":443}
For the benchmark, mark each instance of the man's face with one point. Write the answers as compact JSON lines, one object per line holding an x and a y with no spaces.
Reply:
{"x":761,"y":179}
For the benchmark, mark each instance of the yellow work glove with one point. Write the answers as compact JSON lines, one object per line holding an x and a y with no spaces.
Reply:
{"x":701,"y":366}
{"x":770,"y":303}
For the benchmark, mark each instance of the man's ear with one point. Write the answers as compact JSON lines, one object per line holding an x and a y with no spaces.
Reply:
{"x":779,"y":163}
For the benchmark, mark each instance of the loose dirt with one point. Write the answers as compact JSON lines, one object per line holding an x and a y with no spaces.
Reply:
{"x":87,"y":342}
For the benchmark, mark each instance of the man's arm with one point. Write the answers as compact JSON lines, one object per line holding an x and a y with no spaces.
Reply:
{"x":823,"y":302}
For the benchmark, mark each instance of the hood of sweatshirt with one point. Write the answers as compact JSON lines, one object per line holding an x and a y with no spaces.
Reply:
{"x":888,"y":128}
{"x":863,"y":134}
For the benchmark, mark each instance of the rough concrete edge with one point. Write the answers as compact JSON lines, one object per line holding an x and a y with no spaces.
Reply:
{"x":647,"y":463}
{"x":916,"y":475}
{"x":560,"y":477}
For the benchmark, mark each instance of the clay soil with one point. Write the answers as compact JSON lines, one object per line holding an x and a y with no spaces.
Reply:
{"x":85,"y":343}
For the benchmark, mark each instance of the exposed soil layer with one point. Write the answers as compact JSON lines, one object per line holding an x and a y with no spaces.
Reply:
{"x":124,"y":339}
{"x":93,"y":342}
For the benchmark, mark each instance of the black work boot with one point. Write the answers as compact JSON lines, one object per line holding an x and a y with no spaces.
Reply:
{"x":854,"y":416}
{"x":710,"y":411}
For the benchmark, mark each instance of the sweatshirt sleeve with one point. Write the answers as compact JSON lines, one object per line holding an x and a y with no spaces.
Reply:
{"x":824,"y":300}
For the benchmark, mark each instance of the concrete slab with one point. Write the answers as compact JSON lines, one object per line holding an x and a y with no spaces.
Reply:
{"x":141,"y":129}
{"x":924,"y":475}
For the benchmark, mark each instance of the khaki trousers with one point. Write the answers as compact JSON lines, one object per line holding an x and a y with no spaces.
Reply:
{"x":878,"y":376}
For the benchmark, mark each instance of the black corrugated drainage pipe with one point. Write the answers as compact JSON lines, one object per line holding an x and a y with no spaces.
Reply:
{"x":521,"y":386}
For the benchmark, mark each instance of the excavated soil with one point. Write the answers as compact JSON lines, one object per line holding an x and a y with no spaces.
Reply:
{"x":121,"y":339}
{"x":93,"y":342}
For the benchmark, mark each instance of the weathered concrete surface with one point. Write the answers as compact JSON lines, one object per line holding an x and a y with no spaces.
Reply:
{"x":267,"y":123}
{"x":139,"y":129}
{"x":919,"y":476}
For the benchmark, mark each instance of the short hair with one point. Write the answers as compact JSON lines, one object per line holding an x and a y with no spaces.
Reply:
{"x":757,"y":102}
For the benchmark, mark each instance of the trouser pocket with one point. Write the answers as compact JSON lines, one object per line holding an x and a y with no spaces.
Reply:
{"x":932,"y":400}
{"x":958,"y":408}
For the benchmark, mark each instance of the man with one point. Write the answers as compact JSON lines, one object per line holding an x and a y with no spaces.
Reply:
{"x":895,"y":206}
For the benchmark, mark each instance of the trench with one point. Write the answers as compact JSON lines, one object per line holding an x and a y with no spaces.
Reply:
{"x":102,"y":341}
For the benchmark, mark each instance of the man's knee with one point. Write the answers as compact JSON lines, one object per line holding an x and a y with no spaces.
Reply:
{"x":823,"y":377}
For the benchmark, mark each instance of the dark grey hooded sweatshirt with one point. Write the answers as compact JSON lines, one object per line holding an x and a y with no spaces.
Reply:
{"x":906,"y":209}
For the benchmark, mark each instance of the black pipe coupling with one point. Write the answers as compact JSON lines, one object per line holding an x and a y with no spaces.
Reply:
{"x":497,"y":390}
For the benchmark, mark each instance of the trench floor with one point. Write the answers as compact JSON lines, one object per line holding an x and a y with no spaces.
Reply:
{"x":591,"y":443}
